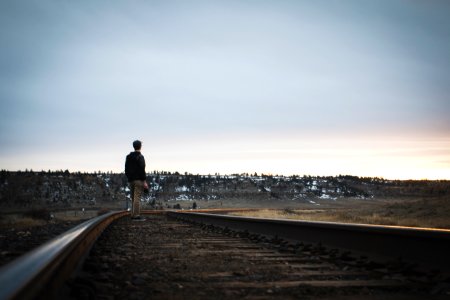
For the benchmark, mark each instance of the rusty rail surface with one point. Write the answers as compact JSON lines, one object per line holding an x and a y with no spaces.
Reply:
{"x":52,"y":263}
{"x":427,"y":247}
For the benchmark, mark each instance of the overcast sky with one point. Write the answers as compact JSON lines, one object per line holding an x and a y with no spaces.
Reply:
{"x":282,"y":87}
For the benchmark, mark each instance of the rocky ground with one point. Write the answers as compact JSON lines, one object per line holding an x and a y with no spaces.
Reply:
{"x":15,"y":241}
{"x":161,"y":258}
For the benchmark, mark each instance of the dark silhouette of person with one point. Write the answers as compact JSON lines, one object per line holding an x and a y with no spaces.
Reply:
{"x":135,"y":172}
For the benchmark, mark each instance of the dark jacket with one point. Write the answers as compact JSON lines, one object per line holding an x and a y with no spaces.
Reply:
{"x":135,"y":166}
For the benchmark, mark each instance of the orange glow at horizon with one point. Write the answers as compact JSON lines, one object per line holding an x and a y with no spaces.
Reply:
{"x":390,"y":158}
{"x":379,"y":157}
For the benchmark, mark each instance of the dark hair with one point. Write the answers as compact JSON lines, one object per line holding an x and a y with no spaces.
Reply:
{"x":137,"y":145}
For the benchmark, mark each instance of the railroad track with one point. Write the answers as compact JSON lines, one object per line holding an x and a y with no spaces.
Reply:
{"x":165,"y":258}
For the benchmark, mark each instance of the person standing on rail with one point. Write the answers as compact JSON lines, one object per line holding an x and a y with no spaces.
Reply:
{"x":135,"y":172}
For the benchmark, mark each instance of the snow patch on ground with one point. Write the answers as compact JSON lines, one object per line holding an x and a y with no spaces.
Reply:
{"x":326,"y":196}
{"x":183,"y":197}
{"x":182,"y":189}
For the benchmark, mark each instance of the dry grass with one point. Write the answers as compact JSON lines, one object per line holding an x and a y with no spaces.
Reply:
{"x":22,"y":222}
{"x":430,"y":213}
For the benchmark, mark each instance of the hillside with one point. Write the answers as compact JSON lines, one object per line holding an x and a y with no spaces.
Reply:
{"x":63,"y":189}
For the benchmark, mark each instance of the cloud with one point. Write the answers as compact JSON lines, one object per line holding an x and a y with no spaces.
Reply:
{"x":79,"y":73}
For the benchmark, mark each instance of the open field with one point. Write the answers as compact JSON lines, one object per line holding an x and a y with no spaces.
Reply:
{"x":428,"y":213}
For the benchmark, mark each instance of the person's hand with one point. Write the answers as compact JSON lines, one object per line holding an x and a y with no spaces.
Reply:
{"x":145,"y":185}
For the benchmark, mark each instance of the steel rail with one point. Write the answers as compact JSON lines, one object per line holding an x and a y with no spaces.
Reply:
{"x":36,"y":272}
{"x":429,"y":248}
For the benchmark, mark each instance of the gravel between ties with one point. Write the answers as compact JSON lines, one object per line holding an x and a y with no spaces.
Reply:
{"x":161,"y":258}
